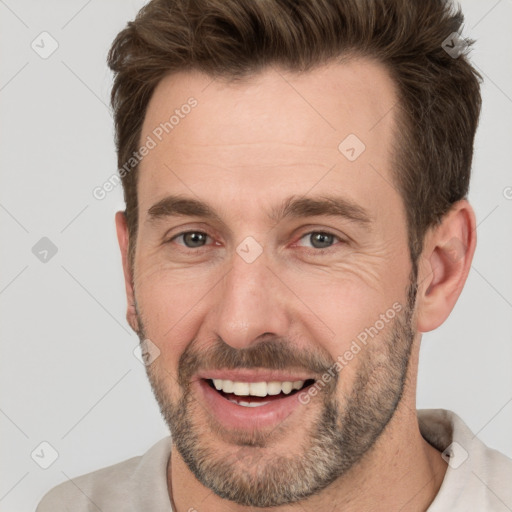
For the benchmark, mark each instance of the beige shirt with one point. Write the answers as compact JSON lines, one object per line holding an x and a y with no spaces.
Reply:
{"x":477,"y":479}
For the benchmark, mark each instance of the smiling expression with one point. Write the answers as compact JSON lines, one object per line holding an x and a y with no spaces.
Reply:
{"x":264,"y":248}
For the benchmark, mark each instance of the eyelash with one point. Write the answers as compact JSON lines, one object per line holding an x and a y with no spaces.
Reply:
{"x":309,"y":233}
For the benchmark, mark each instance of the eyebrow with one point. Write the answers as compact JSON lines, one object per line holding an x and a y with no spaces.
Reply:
{"x":292,"y":207}
{"x":326,"y":205}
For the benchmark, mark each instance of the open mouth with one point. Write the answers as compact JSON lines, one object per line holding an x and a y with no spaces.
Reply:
{"x":256,"y":394}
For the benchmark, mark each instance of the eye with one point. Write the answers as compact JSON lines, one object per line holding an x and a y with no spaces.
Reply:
{"x":191,"y":239}
{"x":320,"y":239}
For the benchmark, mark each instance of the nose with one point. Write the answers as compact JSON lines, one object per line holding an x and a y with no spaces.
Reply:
{"x":250,"y":302}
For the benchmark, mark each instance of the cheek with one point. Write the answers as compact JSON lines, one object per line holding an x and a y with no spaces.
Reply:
{"x":169,"y":301}
{"x":350,"y":311}
{"x":351,"y":295}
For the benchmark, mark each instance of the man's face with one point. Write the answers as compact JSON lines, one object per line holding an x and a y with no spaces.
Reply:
{"x":268,"y":290}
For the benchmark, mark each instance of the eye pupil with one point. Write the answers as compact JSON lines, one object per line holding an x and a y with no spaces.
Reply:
{"x":194,"y":239}
{"x":319,"y":240}
{"x":322,"y":238}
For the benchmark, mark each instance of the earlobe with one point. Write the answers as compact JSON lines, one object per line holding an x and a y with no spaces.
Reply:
{"x":444,"y":265}
{"x":123,"y":239}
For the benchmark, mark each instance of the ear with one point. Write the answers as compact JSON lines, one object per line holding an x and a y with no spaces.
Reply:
{"x":123,"y":239}
{"x":444,"y":265}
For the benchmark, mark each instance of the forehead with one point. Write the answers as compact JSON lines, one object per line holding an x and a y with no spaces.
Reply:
{"x":274,"y":131}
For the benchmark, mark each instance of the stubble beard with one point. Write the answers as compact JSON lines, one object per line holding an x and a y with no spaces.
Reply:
{"x":252,"y":474}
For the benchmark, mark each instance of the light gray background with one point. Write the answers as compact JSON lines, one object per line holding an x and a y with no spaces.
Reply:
{"x":68,"y":373}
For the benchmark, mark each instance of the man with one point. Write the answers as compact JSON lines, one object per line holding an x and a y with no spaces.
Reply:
{"x":295,"y":177}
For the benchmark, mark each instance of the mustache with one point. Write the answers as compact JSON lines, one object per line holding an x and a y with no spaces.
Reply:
{"x":270,"y":354}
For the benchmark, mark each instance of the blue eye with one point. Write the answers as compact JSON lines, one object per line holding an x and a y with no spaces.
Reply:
{"x":192,"y":239}
{"x":317,"y":239}
{"x":321,"y":239}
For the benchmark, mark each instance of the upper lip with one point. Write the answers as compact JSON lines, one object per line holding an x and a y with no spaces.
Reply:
{"x":244,"y":375}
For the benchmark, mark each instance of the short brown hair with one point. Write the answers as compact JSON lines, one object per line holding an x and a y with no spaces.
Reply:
{"x":439,"y":93}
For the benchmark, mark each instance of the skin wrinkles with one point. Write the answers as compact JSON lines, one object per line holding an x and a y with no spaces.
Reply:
{"x":215,"y":309}
{"x":345,"y":265}
{"x":369,"y":378}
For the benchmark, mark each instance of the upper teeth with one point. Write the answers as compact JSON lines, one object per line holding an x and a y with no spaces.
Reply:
{"x":257,"y":388}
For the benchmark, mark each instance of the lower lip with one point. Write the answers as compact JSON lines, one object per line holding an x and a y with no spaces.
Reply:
{"x":235,"y":416}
